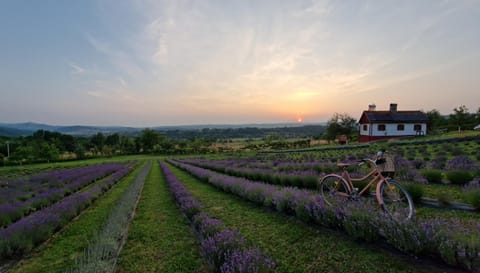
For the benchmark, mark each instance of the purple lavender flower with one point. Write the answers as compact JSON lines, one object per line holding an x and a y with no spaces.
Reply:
{"x":461,"y":163}
{"x":456,"y":241}
{"x":24,"y":234}
{"x":247,"y":261}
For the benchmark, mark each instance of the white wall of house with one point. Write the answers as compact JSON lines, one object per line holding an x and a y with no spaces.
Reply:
{"x":391,"y":129}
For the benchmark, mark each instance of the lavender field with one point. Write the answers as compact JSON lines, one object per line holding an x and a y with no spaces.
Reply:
{"x":242,"y":213}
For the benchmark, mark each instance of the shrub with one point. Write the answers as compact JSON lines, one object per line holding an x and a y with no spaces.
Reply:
{"x":459,"y":177}
{"x":472,"y":193}
{"x":473,"y":197}
{"x":4,"y":219}
{"x":461,"y":163}
{"x":247,"y":260}
{"x":438,"y":162}
{"x":360,"y":223}
{"x":416,"y":192}
{"x":444,"y":199}
{"x":456,"y":151}
{"x":310,"y":182}
{"x":418,"y":163}
{"x":432,"y":176}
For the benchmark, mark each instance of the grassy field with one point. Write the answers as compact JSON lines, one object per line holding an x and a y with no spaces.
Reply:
{"x":295,"y":246}
{"x":58,"y":254}
{"x":159,"y":238}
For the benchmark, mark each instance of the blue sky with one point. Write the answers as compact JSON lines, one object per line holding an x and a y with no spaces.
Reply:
{"x":147,"y":63}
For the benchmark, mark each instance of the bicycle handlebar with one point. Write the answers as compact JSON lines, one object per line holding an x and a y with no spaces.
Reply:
{"x":367,"y":160}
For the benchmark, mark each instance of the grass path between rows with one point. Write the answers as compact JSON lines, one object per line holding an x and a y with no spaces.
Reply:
{"x":294,"y":245}
{"x":160,"y":238}
{"x":59,"y":253}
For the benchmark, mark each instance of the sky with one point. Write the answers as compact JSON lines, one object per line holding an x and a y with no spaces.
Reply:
{"x":152,"y":63}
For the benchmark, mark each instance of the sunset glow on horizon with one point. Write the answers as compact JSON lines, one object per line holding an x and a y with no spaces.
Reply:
{"x":152,"y":63}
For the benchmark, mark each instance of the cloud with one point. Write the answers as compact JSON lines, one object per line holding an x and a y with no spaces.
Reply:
{"x":95,"y":94}
{"x":317,"y":8}
{"x":120,"y":59}
{"x":76,"y":69}
{"x":236,"y":56}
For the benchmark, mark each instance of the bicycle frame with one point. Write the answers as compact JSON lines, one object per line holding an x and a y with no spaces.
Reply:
{"x":391,"y":195}
{"x":377,"y":178}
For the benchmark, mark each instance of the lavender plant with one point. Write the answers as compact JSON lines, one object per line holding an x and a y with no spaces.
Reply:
{"x":21,"y":236}
{"x":456,"y":242}
{"x":225,"y":249}
{"x":102,"y":253}
{"x":42,"y":190}
{"x":471,"y":191}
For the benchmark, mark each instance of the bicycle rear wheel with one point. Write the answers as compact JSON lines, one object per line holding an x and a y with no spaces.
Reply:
{"x":333,"y":187}
{"x":396,"y":201}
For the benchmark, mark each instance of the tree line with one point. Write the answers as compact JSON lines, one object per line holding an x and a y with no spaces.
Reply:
{"x":47,"y":146}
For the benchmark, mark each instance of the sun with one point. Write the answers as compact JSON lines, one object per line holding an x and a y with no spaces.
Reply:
{"x":299,"y":119}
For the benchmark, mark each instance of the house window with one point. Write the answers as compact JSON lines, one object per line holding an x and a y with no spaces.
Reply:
{"x":381,"y":127}
{"x":365,"y":127}
{"x":417,"y":127}
{"x":400,"y":127}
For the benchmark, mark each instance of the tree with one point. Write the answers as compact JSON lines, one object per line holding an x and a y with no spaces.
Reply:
{"x":148,"y":139}
{"x":461,"y":118}
{"x":23,"y":153}
{"x":435,"y":120}
{"x":98,"y":141}
{"x":47,"y":152}
{"x":68,"y":142}
{"x":477,"y":116}
{"x":79,"y":151}
{"x":127,"y":145}
{"x":341,"y":124}
{"x":113,"y":140}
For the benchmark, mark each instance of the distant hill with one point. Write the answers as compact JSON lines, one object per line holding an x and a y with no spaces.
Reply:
{"x":12,"y":132}
{"x":180,"y":131}
{"x":28,"y":128}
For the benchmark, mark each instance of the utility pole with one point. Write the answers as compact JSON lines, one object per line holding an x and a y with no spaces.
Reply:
{"x":8,"y":149}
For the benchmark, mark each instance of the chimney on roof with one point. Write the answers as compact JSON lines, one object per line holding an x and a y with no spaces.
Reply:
{"x":393,"y":107}
{"x":372,"y":107}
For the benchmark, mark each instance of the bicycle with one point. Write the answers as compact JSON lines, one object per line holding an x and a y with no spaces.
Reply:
{"x":392,"y":197}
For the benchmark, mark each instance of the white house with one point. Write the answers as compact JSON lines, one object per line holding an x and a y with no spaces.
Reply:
{"x":377,"y":125}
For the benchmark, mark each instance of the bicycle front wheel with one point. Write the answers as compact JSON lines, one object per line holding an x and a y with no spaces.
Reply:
{"x":396,"y":201}
{"x":333,"y":187}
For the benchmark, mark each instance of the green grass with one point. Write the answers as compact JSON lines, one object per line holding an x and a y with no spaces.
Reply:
{"x":294,"y":245}
{"x":160,"y":238}
{"x":59,"y":253}
{"x":436,"y":190}
{"x":445,"y":213}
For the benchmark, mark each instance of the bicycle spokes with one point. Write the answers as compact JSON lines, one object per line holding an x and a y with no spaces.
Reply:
{"x":331,"y":187}
{"x":396,"y":201}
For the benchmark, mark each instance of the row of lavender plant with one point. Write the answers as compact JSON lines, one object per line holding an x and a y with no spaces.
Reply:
{"x":102,"y":253}
{"x":225,"y":249}
{"x":301,"y":179}
{"x":458,"y":170}
{"x":456,"y":241}
{"x":26,"y":187}
{"x":21,"y":236}
{"x":48,"y":188}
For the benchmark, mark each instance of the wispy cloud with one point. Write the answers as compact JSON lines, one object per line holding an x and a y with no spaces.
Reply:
{"x":76,"y":69}
{"x":121,"y":60}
